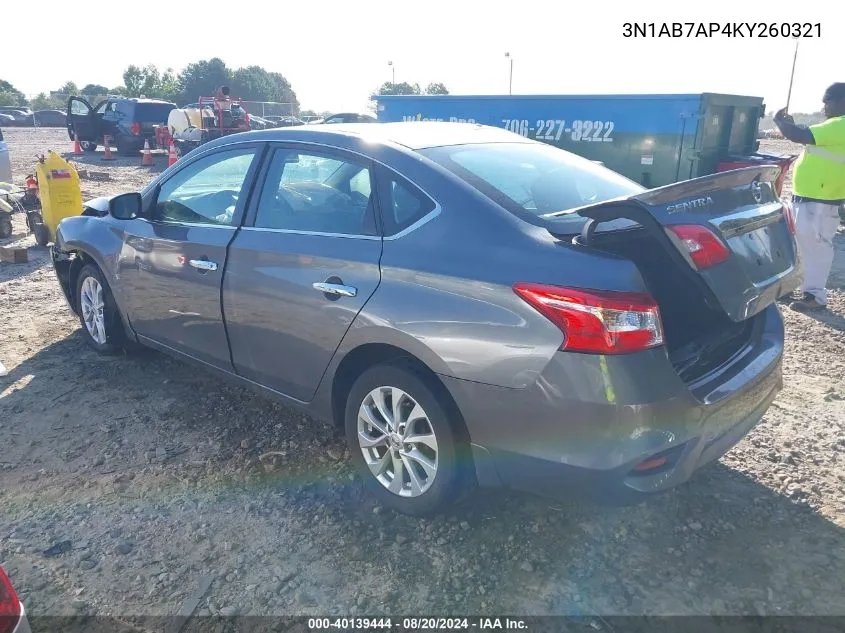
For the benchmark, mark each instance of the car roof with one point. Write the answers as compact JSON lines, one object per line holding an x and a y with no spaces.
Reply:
{"x":414,"y":135}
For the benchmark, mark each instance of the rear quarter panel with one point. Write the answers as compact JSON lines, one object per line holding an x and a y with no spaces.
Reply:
{"x":446,"y":289}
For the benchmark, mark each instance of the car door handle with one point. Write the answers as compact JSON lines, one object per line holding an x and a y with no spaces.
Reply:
{"x":203,"y":264}
{"x":335,"y":289}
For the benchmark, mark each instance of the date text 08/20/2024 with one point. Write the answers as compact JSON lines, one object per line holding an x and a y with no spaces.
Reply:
{"x":418,"y":624}
{"x":722,"y":29}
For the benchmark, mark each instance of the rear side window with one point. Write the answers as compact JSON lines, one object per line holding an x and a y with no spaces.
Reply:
{"x":152,"y":112}
{"x":307,"y":192}
{"x":401,"y":203}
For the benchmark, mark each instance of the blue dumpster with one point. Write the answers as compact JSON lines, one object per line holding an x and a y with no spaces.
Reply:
{"x":652,"y":139}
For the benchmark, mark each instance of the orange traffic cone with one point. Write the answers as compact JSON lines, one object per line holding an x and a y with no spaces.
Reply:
{"x":106,"y":142}
{"x":171,"y":156}
{"x":148,"y":158}
{"x":77,"y":148}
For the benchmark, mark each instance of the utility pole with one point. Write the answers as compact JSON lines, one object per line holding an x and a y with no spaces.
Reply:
{"x":393,"y":69}
{"x":510,"y":81}
{"x":792,"y":76}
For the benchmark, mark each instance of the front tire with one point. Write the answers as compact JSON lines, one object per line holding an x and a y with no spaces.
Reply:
{"x":89,"y":146}
{"x":403,"y":441}
{"x":98,"y":314}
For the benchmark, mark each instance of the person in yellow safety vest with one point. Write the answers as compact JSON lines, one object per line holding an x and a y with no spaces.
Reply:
{"x":818,"y":192}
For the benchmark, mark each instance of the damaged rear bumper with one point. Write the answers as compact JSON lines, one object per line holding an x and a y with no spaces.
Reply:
{"x":582,"y":434}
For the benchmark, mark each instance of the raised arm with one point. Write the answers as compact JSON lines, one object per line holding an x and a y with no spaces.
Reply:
{"x":794,"y":133}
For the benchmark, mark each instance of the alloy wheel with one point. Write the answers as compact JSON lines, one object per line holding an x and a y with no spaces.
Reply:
{"x":398,"y":441}
{"x":93,"y":306}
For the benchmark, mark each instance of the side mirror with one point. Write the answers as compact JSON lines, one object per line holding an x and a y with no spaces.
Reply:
{"x":126,"y":206}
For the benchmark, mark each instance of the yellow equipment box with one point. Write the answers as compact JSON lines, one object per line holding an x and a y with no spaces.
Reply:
{"x":59,"y":190}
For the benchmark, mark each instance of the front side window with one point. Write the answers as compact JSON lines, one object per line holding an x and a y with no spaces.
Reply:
{"x":206,"y":191}
{"x":308,"y":192}
{"x":79,"y":108}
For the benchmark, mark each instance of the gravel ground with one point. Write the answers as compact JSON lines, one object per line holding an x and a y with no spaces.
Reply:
{"x":127,"y":482}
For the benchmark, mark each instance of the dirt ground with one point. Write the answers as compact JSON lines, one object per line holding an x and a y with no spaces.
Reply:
{"x":143,"y":476}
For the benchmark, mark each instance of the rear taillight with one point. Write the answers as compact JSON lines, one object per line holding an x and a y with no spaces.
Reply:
{"x":10,"y":607}
{"x":596,"y":321}
{"x":704,"y":248}
{"x":789,"y":217}
{"x":135,"y":128}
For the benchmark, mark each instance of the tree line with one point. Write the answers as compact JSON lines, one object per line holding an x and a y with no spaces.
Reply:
{"x":405,"y":88}
{"x":202,"y":78}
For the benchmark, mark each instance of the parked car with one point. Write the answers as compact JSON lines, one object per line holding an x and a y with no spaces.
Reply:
{"x":260,"y":123}
{"x":473,"y":306}
{"x":129,"y":122}
{"x":50,"y":118}
{"x":12,"y":612}
{"x":21,"y":116}
{"x":6,"y":120}
{"x":5,"y":161}
{"x":347,"y":117}
{"x":285,"y":121}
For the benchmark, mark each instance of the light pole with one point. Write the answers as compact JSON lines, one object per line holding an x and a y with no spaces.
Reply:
{"x":510,"y":81}
{"x":393,"y":68}
{"x":792,"y":76}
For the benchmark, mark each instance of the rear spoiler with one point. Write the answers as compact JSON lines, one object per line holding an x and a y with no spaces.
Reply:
{"x":676,"y":191}
{"x":705,"y":184}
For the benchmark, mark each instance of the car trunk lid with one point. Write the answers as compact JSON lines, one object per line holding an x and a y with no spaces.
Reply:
{"x":741,"y":210}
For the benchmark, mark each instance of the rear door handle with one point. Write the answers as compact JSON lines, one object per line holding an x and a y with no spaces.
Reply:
{"x":335,"y":289}
{"x":203,"y":264}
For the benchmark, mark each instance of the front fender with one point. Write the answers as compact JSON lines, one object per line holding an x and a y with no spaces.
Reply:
{"x":99,"y":239}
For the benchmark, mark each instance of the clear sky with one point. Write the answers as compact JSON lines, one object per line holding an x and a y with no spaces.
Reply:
{"x":335,"y":53}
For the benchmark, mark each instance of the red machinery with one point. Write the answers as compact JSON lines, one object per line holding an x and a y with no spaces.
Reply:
{"x":209,"y":118}
{"x":230,"y":119}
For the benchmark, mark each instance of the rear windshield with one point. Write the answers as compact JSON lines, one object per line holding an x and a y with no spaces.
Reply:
{"x":533,"y":180}
{"x":152,"y":112}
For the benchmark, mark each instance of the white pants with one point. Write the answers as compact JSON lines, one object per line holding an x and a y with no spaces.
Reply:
{"x":815,"y":228}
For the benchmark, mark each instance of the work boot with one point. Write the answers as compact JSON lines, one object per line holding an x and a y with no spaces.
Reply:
{"x":808,"y":303}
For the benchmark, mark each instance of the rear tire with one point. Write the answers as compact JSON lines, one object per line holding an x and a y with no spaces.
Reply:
{"x":88,"y":146}
{"x":42,"y":235}
{"x":5,"y":227}
{"x":431,"y":471}
{"x":98,"y":313}
{"x":124,"y":148}
{"x":36,"y":225}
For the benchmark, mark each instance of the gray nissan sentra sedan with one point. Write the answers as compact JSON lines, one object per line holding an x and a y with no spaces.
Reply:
{"x":475,"y":308}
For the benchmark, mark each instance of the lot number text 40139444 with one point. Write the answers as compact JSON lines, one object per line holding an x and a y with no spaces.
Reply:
{"x":555,"y":129}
